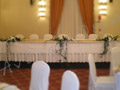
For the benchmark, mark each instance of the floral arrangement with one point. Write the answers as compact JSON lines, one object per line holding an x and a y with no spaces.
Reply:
{"x":106,"y":42}
{"x":61,"y":41}
{"x":8,"y":40}
{"x":11,"y":39}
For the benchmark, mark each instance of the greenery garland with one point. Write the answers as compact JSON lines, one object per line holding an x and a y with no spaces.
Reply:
{"x":8,"y":40}
{"x":61,"y":42}
{"x":106,"y":42}
{"x":11,"y":39}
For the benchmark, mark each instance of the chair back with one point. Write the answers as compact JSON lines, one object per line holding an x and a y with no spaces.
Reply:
{"x":107,"y":34}
{"x":21,"y":36}
{"x":93,"y":36}
{"x":115,"y":57}
{"x":92,"y":68}
{"x":39,"y":76}
{"x":80,"y":36}
{"x":70,"y":81}
{"x":117,"y":81}
{"x":34,"y":37}
{"x":48,"y":37}
{"x":61,"y":35}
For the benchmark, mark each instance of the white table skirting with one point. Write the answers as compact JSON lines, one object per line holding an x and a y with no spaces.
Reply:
{"x":77,"y":51}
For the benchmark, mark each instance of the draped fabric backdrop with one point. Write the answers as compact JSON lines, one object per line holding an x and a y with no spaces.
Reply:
{"x":71,"y":20}
{"x":56,"y":7}
{"x":86,"y":8}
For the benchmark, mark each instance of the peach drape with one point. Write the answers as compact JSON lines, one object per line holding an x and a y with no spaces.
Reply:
{"x":86,"y":8}
{"x":56,"y":7}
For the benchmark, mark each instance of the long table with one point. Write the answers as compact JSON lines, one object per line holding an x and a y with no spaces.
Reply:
{"x":77,"y":51}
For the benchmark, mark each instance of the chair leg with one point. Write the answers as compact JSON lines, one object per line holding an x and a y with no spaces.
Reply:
{"x":6,"y":65}
{"x":18,"y":66}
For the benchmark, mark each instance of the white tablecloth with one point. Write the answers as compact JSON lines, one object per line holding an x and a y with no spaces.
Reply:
{"x":77,"y":51}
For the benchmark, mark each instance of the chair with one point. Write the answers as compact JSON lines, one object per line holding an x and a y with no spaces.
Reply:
{"x":107,"y":34}
{"x":115,"y":60}
{"x":47,"y":37}
{"x":117,"y":81}
{"x":93,"y":36}
{"x":101,"y":82}
{"x":5,"y":86}
{"x":70,"y":81}
{"x":80,"y":36}
{"x":39,"y":76}
{"x":61,"y":35}
{"x":34,"y":37}
{"x":21,"y":36}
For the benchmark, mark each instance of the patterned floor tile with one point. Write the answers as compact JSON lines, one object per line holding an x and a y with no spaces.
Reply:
{"x":21,"y":77}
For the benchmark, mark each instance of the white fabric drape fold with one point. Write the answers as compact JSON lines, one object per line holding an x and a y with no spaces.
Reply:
{"x":71,"y":21}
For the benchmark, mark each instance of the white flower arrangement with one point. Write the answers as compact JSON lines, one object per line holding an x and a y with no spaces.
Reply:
{"x":11,"y":39}
{"x":106,"y":40}
{"x":61,"y":41}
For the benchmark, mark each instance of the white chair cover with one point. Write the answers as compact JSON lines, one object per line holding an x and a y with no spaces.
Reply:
{"x":93,"y":36}
{"x":61,"y":35}
{"x":107,"y":34}
{"x":48,"y":37}
{"x":117,"y":81}
{"x":34,"y":37}
{"x":115,"y":59}
{"x":5,"y":86}
{"x":39,"y":76}
{"x":99,"y":83}
{"x":80,"y":36}
{"x":70,"y":81}
{"x":92,"y":74}
{"x":21,"y":36}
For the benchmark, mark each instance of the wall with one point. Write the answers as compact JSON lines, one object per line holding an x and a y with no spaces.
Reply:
{"x":18,"y":16}
{"x":111,"y":22}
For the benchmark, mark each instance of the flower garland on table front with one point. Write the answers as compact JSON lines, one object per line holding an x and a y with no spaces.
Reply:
{"x":61,"y":41}
{"x":11,"y":39}
{"x":8,"y":40}
{"x":106,"y":42}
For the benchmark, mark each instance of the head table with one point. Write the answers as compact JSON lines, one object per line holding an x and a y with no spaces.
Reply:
{"x":37,"y":50}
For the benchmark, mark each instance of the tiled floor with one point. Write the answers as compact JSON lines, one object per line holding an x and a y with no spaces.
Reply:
{"x":21,"y":77}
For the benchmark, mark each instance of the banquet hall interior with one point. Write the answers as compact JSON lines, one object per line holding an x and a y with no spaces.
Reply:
{"x":77,"y":40}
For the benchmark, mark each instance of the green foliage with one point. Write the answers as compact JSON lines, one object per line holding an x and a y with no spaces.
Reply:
{"x":10,"y":39}
{"x":61,"y":42}
{"x":106,"y":42}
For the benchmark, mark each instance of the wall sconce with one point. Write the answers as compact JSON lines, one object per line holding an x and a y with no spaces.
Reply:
{"x":102,"y":1}
{"x":42,"y":8}
{"x":103,"y":12}
{"x":103,"y":7}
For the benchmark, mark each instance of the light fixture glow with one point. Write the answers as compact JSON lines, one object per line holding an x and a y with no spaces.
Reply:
{"x":41,"y":14}
{"x":42,"y":3}
{"x":102,"y":1}
{"x":42,"y":9}
{"x":103,"y":12}
{"x":102,"y":7}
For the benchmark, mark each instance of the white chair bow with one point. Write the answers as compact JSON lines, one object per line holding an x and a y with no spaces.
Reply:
{"x":70,"y":81}
{"x":101,"y":82}
{"x":39,"y":76}
{"x":117,"y":81}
